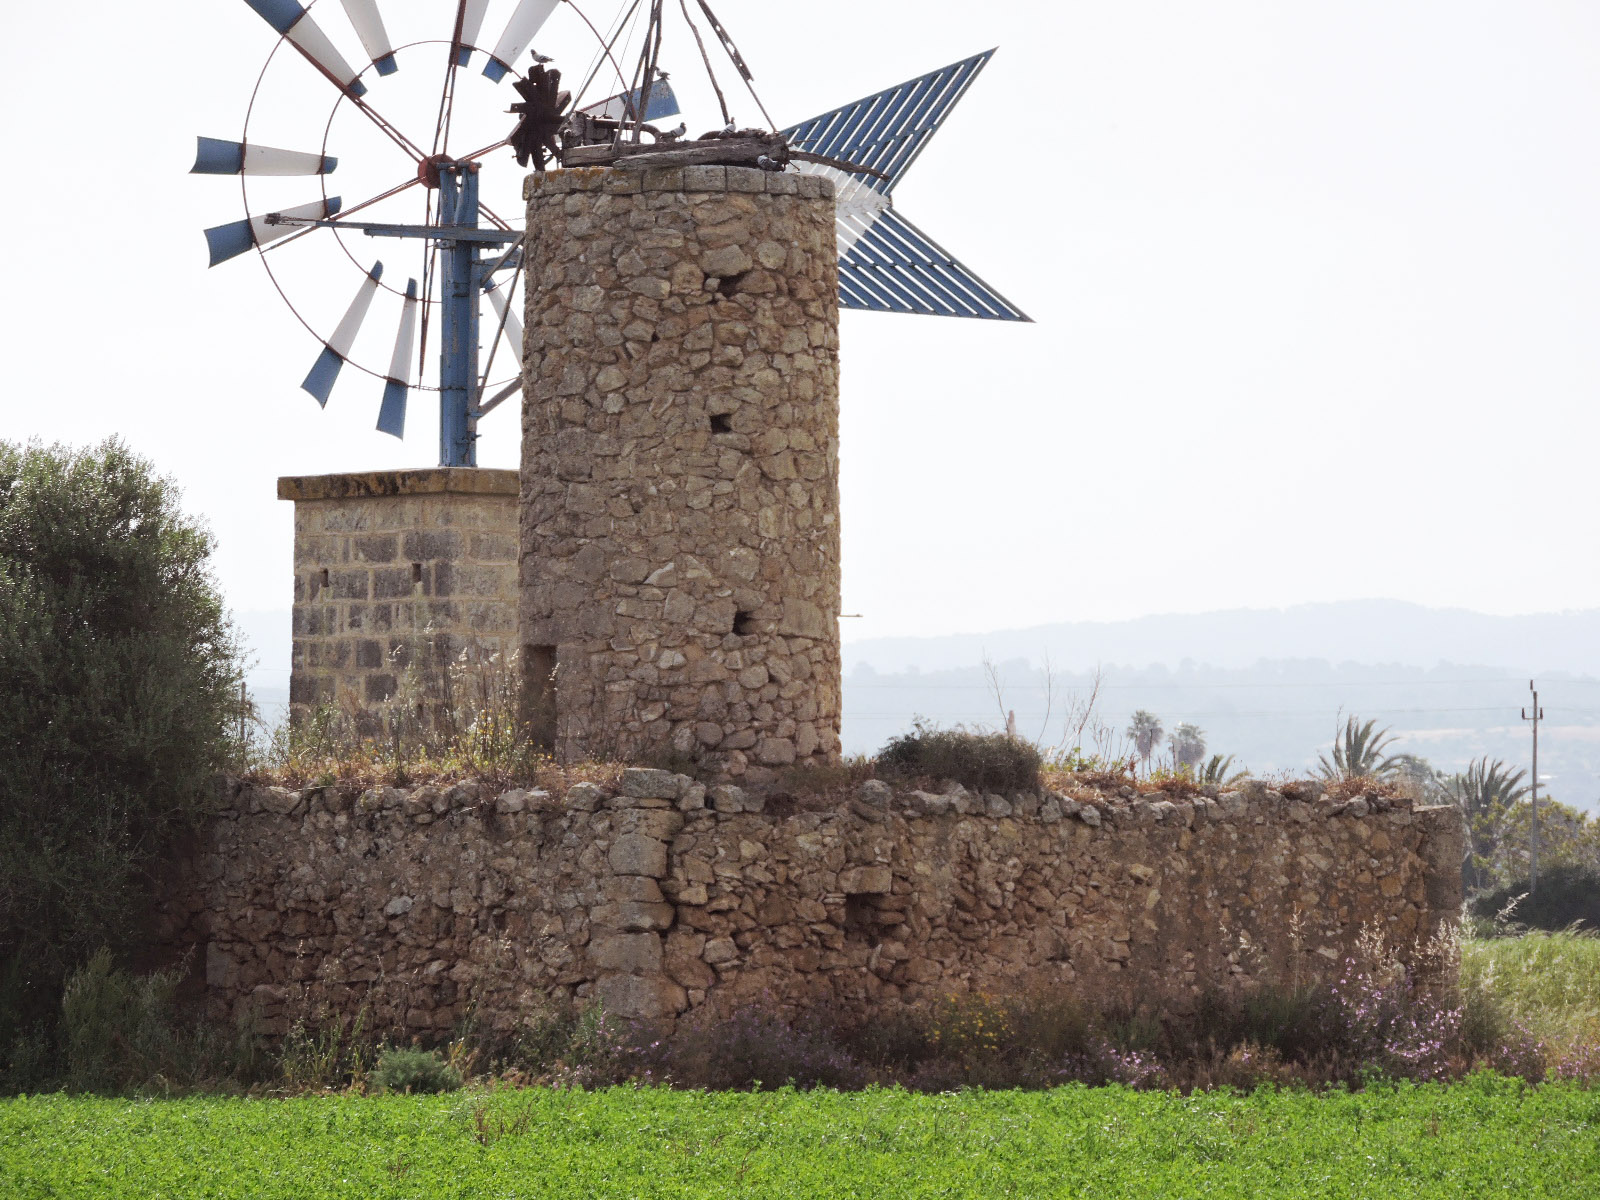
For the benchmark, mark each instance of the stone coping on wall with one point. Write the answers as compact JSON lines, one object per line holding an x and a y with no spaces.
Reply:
{"x":675,"y":179}
{"x":429,"y":481}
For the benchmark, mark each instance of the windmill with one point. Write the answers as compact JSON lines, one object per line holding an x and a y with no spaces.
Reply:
{"x":465,"y":257}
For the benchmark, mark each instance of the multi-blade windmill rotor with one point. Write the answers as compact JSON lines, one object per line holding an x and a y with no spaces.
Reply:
{"x":465,"y":258}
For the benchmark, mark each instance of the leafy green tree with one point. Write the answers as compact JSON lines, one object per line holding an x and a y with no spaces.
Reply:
{"x":1567,"y":838}
{"x":1188,"y":744}
{"x":118,"y":672}
{"x":1358,"y":753}
{"x":1487,"y":794}
{"x":1145,"y":732}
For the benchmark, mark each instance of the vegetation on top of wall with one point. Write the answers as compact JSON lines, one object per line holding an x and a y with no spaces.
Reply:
{"x":985,"y":762}
{"x":118,"y":693}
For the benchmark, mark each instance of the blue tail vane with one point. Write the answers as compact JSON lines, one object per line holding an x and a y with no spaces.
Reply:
{"x":621,"y":107}
{"x":888,"y":130}
{"x":895,"y":267}
{"x":887,"y":264}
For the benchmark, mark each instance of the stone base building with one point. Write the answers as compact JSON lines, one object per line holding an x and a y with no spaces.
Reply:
{"x":395,"y":574}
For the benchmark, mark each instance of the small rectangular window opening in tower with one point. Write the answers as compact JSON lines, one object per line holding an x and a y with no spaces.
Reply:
{"x":744,"y":623}
{"x":416,"y":572}
{"x":324,"y":576}
{"x":539,"y":695}
{"x":721,"y":423}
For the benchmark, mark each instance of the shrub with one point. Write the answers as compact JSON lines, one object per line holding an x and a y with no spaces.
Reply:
{"x":413,"y":1070}
{"x":1566,"y":896}
{"x":985,"y":762}
{"x":121,"y":1032}
{"x":118,"y":676}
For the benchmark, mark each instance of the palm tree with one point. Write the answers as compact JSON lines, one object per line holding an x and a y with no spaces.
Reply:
{"x":1219,"y":770}
{"x":1145,"y":730}
{"x":1358,"y":753}
{"x":1487,"y":793}
{"x":1188,"y":743}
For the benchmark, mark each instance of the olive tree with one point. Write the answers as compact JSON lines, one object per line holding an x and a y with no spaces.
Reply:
{"x":118,"y":678}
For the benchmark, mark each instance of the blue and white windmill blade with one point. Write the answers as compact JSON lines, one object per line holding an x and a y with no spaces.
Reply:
{"x":392,"y":413}
{"x":887,"y":130}
{"x":520,"y":30}
{"x":471,"y":14}
{"x":236,"y":237}
{"x":325,"y":371}
{"x":214,"y":156}
{"x":294,"y":23}
{"x":368,"y":24}
{"x":508,"y":320}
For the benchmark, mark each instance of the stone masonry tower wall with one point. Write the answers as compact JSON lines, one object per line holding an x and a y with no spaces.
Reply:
{"x":680,"y":499}
{"x":398,"y":572}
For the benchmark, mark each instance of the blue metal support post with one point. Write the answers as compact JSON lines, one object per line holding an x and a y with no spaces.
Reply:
{"x":458,"y":353}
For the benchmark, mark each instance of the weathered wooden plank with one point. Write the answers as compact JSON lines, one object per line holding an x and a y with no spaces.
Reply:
{"x":711,"y":152}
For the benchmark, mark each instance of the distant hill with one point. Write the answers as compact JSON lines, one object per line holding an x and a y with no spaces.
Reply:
{"x":1360,"y":631}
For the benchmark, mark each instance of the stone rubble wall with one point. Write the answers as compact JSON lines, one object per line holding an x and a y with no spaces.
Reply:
{"x":395,"y":570}
{"x":680,"y":503}
{"x":660,"y":897}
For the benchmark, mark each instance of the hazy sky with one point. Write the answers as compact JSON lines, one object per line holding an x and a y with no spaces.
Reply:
{"x":1316,"y":286}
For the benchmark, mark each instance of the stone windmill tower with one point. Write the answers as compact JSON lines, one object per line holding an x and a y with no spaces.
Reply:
{"x":680,"y":469}
{"x":680,"y":579}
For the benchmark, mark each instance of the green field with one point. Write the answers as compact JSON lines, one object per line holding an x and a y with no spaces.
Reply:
{"x":1484,"y":1136}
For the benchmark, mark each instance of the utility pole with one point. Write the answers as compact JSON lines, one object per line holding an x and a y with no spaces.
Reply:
{"x":1535,"y":714}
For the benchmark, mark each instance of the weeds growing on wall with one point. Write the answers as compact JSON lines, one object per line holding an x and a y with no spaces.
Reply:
{"x":455,"y":722}
{"x":984,"y":762}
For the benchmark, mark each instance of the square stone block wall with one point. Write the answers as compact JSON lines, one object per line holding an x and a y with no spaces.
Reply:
{"x":398,"y":571}
{"x":658,"y":896}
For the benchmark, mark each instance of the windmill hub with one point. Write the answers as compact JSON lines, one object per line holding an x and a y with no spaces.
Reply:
{"x":428,"y":170}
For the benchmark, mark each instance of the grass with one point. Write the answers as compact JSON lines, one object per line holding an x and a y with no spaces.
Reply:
{"x":1484,"y":1135}
{"x":1549,"y":983}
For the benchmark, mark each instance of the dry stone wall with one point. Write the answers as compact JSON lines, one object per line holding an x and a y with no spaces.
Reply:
{"x":680,"y":533}
{"x":659,"y":896}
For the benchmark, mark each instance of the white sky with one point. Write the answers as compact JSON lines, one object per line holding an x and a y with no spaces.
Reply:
{"x":1316,"y":287}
